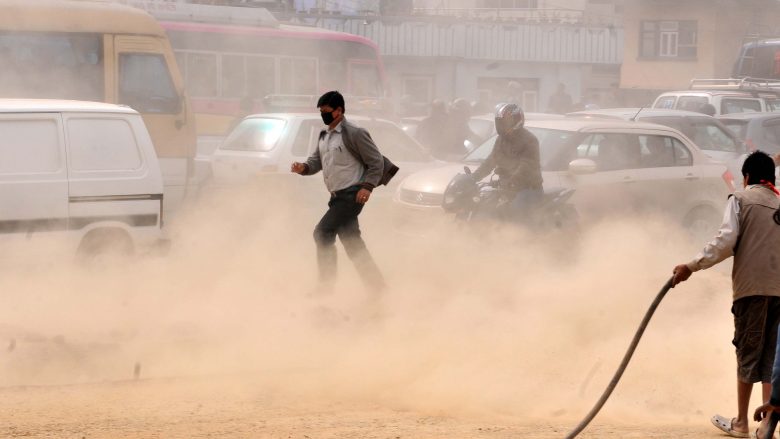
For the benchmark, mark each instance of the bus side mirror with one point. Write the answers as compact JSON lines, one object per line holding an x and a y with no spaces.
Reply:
{"x":182,"y":107}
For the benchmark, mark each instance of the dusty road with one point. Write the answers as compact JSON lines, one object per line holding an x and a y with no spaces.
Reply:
{"x":474,"y":339}
{"x":201,"y":408}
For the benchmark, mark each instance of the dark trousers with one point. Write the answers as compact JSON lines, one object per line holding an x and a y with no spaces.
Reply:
{"x":342,"y":219}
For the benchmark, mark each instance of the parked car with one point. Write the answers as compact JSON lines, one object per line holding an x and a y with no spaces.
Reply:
{"x":265,"y":145}
{"x":709,"y":134}
{"x":615,"y":166}
{"x":757,"y":130}
{"x":81,"y":171}
{"x":724,"y":102}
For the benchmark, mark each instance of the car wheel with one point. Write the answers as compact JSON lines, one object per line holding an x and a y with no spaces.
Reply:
{"x":702,"y":223}
{"x":104,"y":247}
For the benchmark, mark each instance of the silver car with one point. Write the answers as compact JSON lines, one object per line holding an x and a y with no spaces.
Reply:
{"x":615,"y":166}
{"x":708,"y":133}
{"x":264,"y":145}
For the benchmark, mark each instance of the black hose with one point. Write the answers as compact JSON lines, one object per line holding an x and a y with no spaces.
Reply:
{"x":626,"y":358}
{"x":770,"y":433}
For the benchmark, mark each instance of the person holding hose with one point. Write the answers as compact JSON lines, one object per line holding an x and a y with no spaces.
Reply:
{"x":751,"y":234}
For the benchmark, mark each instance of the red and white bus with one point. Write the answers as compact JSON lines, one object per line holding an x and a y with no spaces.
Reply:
{"x":231,"y":70}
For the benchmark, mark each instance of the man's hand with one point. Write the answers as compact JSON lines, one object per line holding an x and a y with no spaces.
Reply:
{"x":764,"y":411}
{"x":681,"y":274}
{"x":298,"y":168}
{"x":362,"y":196}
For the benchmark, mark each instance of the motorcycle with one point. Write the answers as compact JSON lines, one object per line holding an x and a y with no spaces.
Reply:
{"x":473,"y":201}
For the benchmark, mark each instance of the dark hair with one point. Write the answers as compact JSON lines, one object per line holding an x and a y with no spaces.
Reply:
{"x":333,"y":99}
{"x":760,"y":166}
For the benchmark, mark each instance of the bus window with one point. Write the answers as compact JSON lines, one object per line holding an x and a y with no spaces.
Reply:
{"x":365,"y":79}
{"x":52,"y":66}
{"x":333,"y":74}
{"x":261,"y":76}
{"x":298,"y":76}
{"x":233,"y":76}
{"x":145,"y":84}
{"x":202,"y":74}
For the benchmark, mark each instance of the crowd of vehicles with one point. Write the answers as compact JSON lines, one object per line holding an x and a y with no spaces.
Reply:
{"x":616,"y":167}
{"x":103,"y":52}
{"x":200,"y":111}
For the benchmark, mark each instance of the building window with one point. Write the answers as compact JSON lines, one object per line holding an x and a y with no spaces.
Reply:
{"x":668,"y":39}
{"x":510,"y":4}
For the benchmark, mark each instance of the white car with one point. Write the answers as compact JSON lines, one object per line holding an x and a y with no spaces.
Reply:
{"x":265,"y":145}
{"x":714,"y":138}
{"x":83,"y":173}
{"x":724,"y":102}
{"x":615,"y":166}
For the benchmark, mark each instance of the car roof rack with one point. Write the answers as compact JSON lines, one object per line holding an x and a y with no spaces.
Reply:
{"x":754,"y":86}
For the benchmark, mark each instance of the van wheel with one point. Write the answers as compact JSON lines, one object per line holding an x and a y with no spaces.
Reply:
{"x":105,"y":246}
{"x":702,"y":223}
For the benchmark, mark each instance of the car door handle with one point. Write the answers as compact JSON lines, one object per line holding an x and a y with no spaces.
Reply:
{"x":691,"y":177}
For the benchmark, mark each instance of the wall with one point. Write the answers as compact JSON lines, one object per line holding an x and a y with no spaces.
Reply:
{"x":723,"y":26}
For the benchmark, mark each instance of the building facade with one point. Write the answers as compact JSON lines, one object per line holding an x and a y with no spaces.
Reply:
{"x":670,"y":42}
{"x":448,"y":49}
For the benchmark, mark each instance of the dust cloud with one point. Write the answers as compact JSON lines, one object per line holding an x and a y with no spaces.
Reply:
{"x":477,"y":324}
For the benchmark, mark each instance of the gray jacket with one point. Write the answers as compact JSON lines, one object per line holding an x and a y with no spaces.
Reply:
{"x":358,"y":141}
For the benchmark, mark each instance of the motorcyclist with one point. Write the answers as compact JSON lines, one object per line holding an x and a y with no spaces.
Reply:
{"x":515,"y":159}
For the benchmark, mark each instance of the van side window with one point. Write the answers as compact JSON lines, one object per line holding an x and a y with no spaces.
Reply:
{"x":145,"y":84}
{"x":29,"y":146}
{"x":102,"y":145}
{"x":691,"y":103}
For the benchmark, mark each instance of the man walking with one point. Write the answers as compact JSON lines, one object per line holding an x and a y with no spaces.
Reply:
{"x":751,"y":233}
{"x":352,"y":167}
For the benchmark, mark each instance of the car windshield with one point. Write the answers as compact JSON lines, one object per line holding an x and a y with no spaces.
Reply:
{"x":395,"y":142}
{"x":482,"y":128}
{"x":255,"y":134}
{"x":738,"y":127}
{"x":550,"y":143}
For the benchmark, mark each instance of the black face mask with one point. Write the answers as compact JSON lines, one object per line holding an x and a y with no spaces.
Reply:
{"x":327,"y":118}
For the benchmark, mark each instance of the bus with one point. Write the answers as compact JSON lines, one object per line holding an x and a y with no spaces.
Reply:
{"x":231,"y":70}
{"x":759,"y":59}
{"x":104,"y":52}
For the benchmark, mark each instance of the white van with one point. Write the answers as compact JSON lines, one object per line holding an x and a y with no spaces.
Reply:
{"x":83,"y":172}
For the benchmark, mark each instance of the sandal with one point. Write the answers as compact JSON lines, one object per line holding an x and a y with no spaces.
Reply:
{"x":725,"y":425}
